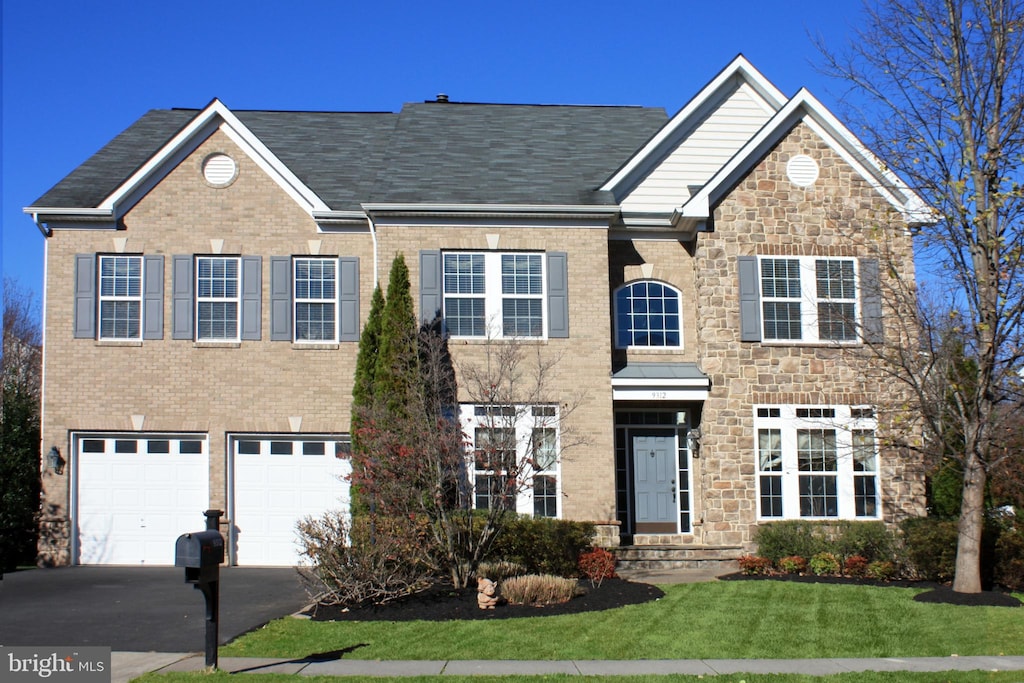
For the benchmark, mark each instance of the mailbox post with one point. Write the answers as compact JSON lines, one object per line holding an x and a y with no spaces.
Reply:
{"x":201,"y":554}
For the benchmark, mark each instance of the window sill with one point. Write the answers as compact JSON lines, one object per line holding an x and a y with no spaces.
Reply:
{"x":813,"y":344}
{"x":328,"y":346}
{"x":118,"y":342}
{"x":479,"y":341}
{"x":216,"y":345}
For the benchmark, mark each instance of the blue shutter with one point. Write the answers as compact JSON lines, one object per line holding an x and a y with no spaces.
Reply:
{"x":182,"y":284}
{"x":558,"y":295}
{"x":431,"y":297}
{"x":348,"y":299}
{"x":84,"y":325}
{"x":280,"y":298}
{"x":871,"y":301}
{"x":750,"y":299}
{"x":252,"y":297}
{"x":153,"y":297}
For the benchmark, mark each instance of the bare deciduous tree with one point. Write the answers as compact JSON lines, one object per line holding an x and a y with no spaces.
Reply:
{"x":939,"y":88}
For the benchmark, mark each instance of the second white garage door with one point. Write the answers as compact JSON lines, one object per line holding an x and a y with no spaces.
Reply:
{"x":277,"y":481}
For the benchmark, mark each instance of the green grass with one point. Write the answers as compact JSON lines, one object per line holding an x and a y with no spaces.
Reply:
{"x":716,"y":620}
{"x":866,"y":677}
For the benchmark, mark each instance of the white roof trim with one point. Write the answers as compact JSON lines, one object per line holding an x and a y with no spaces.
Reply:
{"x":601,"y":209}
{"x":805,"y":107}
{"x":204,"y":123}
{"x":738,"y":68}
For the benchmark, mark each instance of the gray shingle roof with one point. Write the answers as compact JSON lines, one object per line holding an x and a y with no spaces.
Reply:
{"x":104,"y":171}
{"x":510,"y":154}
{"x":428,"y":153}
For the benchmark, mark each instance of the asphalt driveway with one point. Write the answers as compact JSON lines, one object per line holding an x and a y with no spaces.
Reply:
{"x":138,"y":609}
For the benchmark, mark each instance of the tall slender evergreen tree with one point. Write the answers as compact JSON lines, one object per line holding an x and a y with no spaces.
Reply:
{"x":396,"y":379}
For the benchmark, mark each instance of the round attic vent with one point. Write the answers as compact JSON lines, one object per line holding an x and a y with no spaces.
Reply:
{"x":219,"y":170}
{"x":802,"y":170}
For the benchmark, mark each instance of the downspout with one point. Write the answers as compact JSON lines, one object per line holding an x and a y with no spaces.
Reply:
{"x":373,"y":236}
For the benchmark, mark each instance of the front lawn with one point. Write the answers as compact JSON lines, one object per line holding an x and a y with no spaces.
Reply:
{"x":865,"y":677}
{"x":716,"y":620}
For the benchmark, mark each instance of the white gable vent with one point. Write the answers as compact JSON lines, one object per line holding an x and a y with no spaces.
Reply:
{"x":219,"y":170}
{"x":802,"y":170}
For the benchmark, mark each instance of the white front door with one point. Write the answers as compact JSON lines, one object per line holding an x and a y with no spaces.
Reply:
{"x":277,"y":482}
{"x":654,"y":480}
{"x":135,"y":494}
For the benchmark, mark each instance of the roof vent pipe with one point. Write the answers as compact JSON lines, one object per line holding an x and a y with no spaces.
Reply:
{"x":441,"y":97}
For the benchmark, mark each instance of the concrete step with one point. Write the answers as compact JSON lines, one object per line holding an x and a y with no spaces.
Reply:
{"x":720,"y":559}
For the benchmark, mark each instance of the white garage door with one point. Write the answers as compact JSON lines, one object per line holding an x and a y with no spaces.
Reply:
{"x":278,"y":481}
{"x":136,"y":495}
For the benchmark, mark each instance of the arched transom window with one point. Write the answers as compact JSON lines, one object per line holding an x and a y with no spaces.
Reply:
{"x":647,"y":314}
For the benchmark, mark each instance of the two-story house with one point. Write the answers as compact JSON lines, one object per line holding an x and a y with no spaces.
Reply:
{"x":710,"y":281}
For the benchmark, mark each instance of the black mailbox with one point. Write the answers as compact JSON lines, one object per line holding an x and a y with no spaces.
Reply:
{"x":200,"y":553}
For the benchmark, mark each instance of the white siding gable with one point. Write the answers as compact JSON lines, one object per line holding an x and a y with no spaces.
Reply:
{"x":698,"y":151}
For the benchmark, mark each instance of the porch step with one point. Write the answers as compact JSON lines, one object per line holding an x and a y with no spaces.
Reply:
{"x":721,"y":559}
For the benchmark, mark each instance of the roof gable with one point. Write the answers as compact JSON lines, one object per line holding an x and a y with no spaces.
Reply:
{"x":697,"y":141}
{"x":805,"y":108}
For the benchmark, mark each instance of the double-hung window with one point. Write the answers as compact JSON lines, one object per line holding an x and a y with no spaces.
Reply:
{"x":514,"y":457}
{"x":120,"y":297}
{"x":217,"y":298}
{"x":816,"y":462}
{"x":494,"y":294}
{"x":808,"y":298}
{"x":316,"y":299}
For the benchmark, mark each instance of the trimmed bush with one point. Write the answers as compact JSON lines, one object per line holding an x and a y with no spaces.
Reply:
{"x":882,"y":570}
{"x":597,"y":565}
{"x":539,"y":590}
{"x":823,"y":564}
{"x":855,"y":565}
{"x":793,"y":564}
{"x":871,"y":540}
{"x":753,"y":565}
{"x":930,"y":547}
{"x":1009,"y":569}
{"x":544,"y":546}
{"x":776,"y":540}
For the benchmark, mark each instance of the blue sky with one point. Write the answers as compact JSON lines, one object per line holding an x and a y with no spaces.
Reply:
{"x":77,"y":73}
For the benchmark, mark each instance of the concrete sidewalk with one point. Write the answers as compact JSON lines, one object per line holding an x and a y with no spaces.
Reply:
{"x":127,"y":665}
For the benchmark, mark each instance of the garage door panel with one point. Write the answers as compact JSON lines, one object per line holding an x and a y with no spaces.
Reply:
{"x":272,"y":493}
{"x":131,"y":507}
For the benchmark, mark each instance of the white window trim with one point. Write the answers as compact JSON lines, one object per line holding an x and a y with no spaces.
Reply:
{"x":524,"y":422}
{"x":296,"y":300}
{"x":102,"y":298}
{"x":237,"y":299}
{"x":493,"y":296}
{"x":844,"y":425}
{"x":615,"y":304}
{"x":809,"y":301}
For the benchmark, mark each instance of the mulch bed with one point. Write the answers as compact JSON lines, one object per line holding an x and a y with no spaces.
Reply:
{"x":441,"y":602}
{"x":933,"y":593}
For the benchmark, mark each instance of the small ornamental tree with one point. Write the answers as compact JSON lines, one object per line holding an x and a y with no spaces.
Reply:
{"x":412,"y":462}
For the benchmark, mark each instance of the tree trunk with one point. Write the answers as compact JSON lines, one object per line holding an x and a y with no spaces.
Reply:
{"x":972,"y":522}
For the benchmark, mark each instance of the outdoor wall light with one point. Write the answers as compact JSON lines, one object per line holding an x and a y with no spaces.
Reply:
{"x":55,"y":460}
